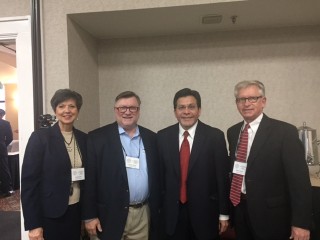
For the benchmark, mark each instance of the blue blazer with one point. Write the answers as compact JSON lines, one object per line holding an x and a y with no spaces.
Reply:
{"x":46,"y":175}
{"x":106,"y":193}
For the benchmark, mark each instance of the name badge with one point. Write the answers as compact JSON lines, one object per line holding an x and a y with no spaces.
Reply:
{"x":132,"y":162}
{"x":77,"y":174}
{"x":239,"y":168}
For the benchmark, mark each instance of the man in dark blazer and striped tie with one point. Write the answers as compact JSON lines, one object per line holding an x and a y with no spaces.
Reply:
{"x":276,"y":192}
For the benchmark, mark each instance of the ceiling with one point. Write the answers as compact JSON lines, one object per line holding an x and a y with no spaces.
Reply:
{"x":236,"y":15}
{"x":8,"y":47}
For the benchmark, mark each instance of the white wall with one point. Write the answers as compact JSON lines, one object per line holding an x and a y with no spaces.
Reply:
{"x":287,"y":60}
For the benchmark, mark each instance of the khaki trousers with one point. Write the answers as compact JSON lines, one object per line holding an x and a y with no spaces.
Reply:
{"x":138,"y":223}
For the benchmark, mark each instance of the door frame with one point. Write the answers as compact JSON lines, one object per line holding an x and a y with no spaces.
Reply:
{"x":19,"y":29}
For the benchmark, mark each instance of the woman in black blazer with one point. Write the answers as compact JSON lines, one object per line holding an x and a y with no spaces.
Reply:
{"x":52,"y":174}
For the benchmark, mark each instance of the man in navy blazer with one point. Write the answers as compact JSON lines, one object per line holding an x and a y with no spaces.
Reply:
{"x":275,"y":199}
{"x":121,"y":197}
{"x":5,"y":140}
{"x":204,"y":212}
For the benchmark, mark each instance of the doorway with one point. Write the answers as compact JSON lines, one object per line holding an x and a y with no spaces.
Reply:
{"x":18,"y":30}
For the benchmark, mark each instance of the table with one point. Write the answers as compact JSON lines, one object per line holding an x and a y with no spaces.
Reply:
{"x":14,"y":165}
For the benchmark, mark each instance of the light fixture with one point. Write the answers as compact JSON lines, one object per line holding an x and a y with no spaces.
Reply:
{"x":211,"y":19}
{"x":1,"y":85}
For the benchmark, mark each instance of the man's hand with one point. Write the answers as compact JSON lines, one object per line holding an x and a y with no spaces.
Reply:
{"x":92,"y":226}
{"x":299,"y":233}
{"x":36,"y":234}
{"x":223,"y":225}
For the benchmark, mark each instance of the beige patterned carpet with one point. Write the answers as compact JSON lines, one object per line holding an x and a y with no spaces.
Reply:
{"x":11,"y":203}
{"x":10,"y":227}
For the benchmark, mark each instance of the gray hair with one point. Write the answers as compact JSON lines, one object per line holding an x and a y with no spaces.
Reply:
{"x":245,"y":84}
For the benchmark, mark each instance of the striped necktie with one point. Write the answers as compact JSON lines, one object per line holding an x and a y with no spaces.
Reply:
{"x":237,"y":179}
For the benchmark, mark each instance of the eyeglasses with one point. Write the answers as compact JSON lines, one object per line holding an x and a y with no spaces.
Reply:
{"x":124,"y":109}
{"x":250,"y":99}
{"x":190,"y":107}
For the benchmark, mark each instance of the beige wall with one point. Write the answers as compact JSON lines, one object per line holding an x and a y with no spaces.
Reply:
{"x":57,"y":38}
{"x":83,"y":74}
{"x":14,"y":8}
{"x":287,"y":60}
{"x":284,"y":59}
{"x":55,"y":31}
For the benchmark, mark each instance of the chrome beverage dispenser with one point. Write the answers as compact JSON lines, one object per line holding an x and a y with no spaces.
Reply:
{"x":308,"y":137}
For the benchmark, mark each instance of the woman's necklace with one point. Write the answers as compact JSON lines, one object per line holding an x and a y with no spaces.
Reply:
{"x":69,"y":148}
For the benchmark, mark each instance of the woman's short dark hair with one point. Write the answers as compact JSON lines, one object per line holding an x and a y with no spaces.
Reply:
{"x":62,"y":95}
{"x":185,"y":92}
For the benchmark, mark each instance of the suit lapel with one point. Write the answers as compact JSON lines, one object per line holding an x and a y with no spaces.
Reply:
{"x":58,"y":143}
{"x":198,"y":141}
{"x":115,"y":143}
{"x":234,"y":138}
{"x":173,"y":146}
{"x":259,"y":139}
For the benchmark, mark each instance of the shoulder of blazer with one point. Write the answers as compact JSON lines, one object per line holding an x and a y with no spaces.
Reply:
{"x":79,"y":133}
{"x":146,"y":131}
{"x":233,"y":133}
{"x":276,"y":125}
{"x":80,"y":136}
{"x":47,"y":132}
{"x":235,"y":127}
{"x":111,"y":128}
{"x":172,"y":128}
{"x":4,"y":122}
{"x":205,"y":128}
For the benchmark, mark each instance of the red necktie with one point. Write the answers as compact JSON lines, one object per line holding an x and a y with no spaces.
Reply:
{"x":184,"y":164}
{"x":237,"y":179}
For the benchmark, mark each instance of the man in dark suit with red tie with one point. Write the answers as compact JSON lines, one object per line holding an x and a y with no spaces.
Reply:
{"x":273,"y":201}
{"x":195,"y":182}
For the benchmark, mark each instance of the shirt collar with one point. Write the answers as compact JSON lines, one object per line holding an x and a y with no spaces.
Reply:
{"x":254,"y":124}
{"x":122,"y":131}
{"x":191,"y":131}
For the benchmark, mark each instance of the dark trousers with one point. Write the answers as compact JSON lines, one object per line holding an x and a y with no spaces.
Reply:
{"x":315,"y":232}
{"x":184,"y":230}
{"x":5,"y":177}
{"x":66,"y":227}
{"x":243,"y":226}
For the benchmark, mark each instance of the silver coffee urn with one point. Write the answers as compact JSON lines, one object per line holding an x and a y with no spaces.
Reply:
{"x":308,"y":137}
